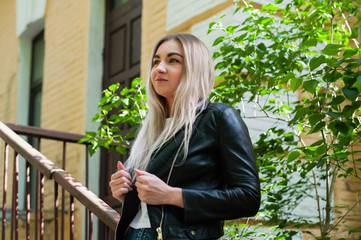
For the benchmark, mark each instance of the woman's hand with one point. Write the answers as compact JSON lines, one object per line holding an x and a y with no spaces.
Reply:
{"x":152,"y":190}
{"x":120,"y":183}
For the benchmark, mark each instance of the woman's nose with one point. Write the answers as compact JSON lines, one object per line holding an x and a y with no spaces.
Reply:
{"x":161,"y":67}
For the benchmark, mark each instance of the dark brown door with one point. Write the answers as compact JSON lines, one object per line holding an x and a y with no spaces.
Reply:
{"x":121,"y":65}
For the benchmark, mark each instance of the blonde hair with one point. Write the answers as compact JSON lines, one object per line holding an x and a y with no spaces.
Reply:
{"x":193,"y":91}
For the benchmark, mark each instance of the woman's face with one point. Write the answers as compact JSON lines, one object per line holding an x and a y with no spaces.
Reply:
{"x":167,"y":69}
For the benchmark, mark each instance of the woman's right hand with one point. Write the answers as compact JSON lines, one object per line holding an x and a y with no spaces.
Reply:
{"x":120,"y":183}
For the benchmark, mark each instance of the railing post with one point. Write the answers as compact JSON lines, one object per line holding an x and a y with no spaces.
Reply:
{"x":41,"y":206}
{"x":27,"y":192}
{"x":5,"y":182}
{"x":63,"y":194}
{"x":87,"y":230}
{"x":56,"y":208}
{"x":71,"y":217}
{"x":15,"y":200}
{"x":37,"y":194}
{"x":91,"y":226}
{"x":37,"y":204}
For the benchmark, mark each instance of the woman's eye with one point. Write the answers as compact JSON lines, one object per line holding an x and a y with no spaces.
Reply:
{"x":156,"y":62}
{"x":173,"y":60}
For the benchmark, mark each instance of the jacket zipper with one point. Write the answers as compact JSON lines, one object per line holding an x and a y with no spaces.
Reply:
{"x":159,"y":229}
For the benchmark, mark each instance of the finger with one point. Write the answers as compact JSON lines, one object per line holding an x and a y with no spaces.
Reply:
{"x":119,"y":193}
{"x":118,"y":182}
{"x":120,"y":166}
{"x":127,"y":181}
{"x":117,"y":185}
{"x":119,"y":174}
{"x":140,"y":172}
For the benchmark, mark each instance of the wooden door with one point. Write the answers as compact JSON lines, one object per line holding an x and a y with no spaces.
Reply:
{"x":121,"y":65}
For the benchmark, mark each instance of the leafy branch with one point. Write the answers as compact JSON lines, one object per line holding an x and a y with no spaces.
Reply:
{"x":307,"y":52}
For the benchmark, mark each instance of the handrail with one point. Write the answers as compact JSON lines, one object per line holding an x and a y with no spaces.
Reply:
{"x":102,"y":210}
{"x":45,"y":133}
{"x":44,"y":165}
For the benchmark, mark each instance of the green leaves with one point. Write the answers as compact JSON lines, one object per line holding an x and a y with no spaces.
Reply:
{"x":310,"y":86}
{"x":293,"y":156}
{"x":315,"y":62}
{"x":300,"y":73}
{"x":332,"y":49}
{"x":351,"y":93}
{"x":116,"y":108}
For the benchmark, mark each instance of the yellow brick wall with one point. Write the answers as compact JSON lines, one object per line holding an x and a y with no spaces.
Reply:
{"x":154,"y":19}
{"x":9,"y":60}
{"x":64,"y":86}
{"x":9,"y":47}
{"x":65,"y":67}
{"x":64,"y":89}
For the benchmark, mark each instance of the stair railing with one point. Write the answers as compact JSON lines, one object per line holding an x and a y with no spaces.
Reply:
{"x":46,"y":168}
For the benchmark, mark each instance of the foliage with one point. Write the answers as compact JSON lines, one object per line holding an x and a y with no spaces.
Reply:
{"x":118,"y":110}
{"x":311,"y":50}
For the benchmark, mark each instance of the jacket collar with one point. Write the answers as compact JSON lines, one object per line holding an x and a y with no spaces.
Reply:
{"x":161,"y":159}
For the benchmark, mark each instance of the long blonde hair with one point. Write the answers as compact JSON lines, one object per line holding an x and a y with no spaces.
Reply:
{"x":193,"y":91}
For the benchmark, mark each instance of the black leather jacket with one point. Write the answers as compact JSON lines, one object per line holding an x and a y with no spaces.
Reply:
{"x":219,"y":179}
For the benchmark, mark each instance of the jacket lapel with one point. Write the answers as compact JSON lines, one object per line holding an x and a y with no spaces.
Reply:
{"x":162,"y":159}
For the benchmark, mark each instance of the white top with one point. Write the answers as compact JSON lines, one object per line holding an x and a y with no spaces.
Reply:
{"x":141,"y":220}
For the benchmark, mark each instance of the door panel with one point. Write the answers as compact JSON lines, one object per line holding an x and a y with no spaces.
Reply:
{"x":121,"y":65}
{"x":117,"y":53}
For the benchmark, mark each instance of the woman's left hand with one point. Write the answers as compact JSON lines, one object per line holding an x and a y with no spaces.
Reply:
{"x":154,"y":191}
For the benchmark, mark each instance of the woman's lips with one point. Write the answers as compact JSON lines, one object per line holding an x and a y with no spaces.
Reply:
{"x":161,"y":80}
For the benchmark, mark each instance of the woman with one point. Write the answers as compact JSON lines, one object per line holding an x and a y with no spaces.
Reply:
{"x":192,"y":165}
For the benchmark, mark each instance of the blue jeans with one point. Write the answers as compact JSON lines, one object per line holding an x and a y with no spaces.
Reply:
{"x":139,"y":234}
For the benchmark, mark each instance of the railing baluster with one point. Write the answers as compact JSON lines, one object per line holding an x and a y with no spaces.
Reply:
{"x":91,"y":226}
{"x":63,"y":195}
{"x":37,"y":177}
{"x":16,"y":195}
{"x":12,"y":212}
{"x":87,"y":185}
{"x":37,"y":193}
{"x":71,"y":217}
{"x":27,"y":192}
{"x":62,"y":213}
{"x":86,"y":224}
{"x":41,"y":206}
{"x":107,"y":234}
{"x":5,"y":182}
{"x":56,"y":207}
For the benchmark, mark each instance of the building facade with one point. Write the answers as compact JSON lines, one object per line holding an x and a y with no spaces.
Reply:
{"x":57,"y":56}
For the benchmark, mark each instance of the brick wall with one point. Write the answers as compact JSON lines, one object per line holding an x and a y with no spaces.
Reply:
{"x":153,"y":27}
{"x":8,"y":78}
{"x":9,"y":59}
{"x":64,"y":87}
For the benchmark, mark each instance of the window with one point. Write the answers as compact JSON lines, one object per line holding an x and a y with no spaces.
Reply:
{"x":36,"y":83}
{"x":37,"y":63}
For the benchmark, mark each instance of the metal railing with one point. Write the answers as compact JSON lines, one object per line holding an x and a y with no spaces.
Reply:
{"x":46,"y":168}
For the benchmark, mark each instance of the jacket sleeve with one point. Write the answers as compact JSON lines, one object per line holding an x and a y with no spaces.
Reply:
{"x":240,"y":196}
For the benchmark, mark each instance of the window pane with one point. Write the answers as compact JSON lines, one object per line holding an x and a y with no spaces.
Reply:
{"x":37,"y":109}
{"x":117,"y":3}
{"x":38,"y":60}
